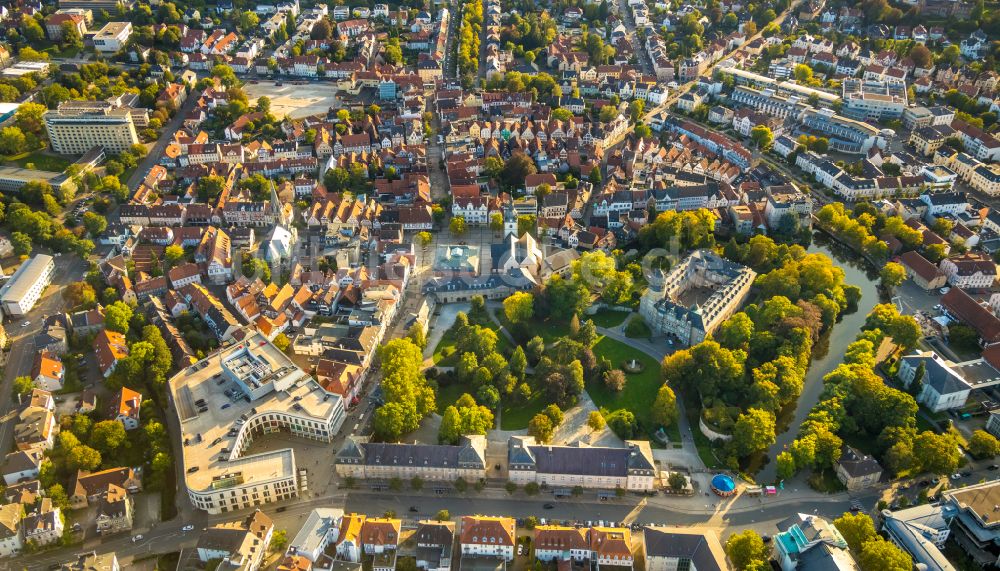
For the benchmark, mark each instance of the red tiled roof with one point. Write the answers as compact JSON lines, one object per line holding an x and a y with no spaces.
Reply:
{"x":967,"y":310}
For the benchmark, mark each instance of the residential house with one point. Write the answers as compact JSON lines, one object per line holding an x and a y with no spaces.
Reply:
{"x":125,"y":407}
{"x":109,"y":348}
{"x":115,"y":511}
{"x":675,"y":548}
{"x":941,"y":386}
{"x":47,"y":373}
{"x":857,"y":470}
{"x":240,"y":544}
{"x":490,"y":537}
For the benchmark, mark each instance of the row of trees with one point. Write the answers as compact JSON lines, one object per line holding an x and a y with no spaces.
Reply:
{"x":469,"y":35}
{"x":864,"y":228}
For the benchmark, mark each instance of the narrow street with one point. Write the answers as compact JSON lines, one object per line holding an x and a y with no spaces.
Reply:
{"x":156,"y":151}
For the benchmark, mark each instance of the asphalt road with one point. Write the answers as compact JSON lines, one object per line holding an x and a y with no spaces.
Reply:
{"x":743,"y":513}
{"x":156,"y":151}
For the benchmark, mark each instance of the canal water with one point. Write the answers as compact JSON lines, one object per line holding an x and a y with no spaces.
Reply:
{"x":829,"y":350}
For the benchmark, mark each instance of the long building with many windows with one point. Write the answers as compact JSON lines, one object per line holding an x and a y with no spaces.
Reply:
{"x":23,"y":290}
{"x":225,"y":401}
{"x":76,"y":131}
{"x":628,"y":468}
{"x":359,"y":458}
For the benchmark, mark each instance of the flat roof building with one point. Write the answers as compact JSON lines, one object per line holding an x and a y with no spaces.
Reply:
{"x":12,"y":179}
{"x":112,"y":37}
{"x":870,"y":100}
{"x":23,"y":290}
{"x":74,"y":131}
{"x":25,"y":68}
{"x":233,"y":396}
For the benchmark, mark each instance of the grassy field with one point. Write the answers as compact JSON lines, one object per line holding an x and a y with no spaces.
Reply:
{"x":515,"y":415}
{"x":640,"y":389}
{"x":55,"y":52}
{"x":447,"y":395}
{"x":40,"y":161}
{"x":637,"y":328}
{"x":607,"y":318}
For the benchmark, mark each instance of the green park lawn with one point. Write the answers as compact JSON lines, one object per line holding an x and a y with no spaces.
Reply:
{"x":607,"y":318}
{"x":41,"y":161}
{"x":447,"y":395}
{"x":640,"y":389}
{"x":516,"y":415}
{"x":548,"y":329}
{"x":637,"y":328}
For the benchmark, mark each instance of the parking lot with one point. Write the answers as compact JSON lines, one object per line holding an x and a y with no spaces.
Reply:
{"x":295,"y":99}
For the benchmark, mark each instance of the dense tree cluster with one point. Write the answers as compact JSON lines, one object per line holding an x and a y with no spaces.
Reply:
{"x":600,"y":273}
{"x":747,"y":551}
{"x":870,"y":550}
{"x":41,"y":226}
{"x":679,"y":231}
{"x":540,"y":85}
{"x":531,"y":31}
{"x":464,"y":417}
{"x":408,"y":398}
{"x":544,"y":424}
{"x":864,"y":229}
{"x":756,"y":363}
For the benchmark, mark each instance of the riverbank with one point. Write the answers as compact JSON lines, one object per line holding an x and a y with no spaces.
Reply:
{"x":828,"y":351}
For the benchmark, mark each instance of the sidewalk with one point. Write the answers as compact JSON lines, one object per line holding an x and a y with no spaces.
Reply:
{"x":442,"y":323}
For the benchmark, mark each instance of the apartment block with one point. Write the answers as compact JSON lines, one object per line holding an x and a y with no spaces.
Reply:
{"x":74,"y":132}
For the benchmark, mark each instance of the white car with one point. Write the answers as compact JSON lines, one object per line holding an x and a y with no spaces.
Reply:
{"x":520,"y":548}
{"x":136,"y":538}
{"x":944,"y":290}
{"x":25,"y":324}
{"x":956,"y":476}
{"x":188,"y":527}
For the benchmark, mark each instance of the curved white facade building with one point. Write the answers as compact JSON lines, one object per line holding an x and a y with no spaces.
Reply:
{"x":228,"y":399}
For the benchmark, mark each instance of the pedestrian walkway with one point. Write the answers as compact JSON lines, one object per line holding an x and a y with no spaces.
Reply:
{"x":447,"y":313}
